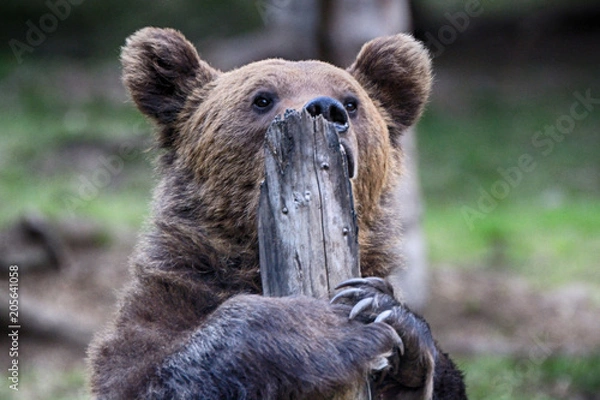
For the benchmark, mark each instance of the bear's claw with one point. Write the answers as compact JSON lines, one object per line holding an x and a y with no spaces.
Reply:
{"x":374,"y":282}
{"x":348,"y":294}
{"x":371,"y":294}
{"x":383,"y":316}
{"x":361,"y":306}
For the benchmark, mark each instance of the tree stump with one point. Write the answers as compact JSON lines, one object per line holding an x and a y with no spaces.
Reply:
{"x":308,"y":235}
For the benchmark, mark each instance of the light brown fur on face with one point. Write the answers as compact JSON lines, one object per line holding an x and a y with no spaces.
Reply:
{"x":241,"y":131}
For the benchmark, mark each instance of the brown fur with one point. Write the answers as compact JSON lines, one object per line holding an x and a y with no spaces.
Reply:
{"x":201,"y":248}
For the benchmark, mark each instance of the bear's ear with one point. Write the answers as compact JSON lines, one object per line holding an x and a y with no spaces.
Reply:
{"x":160,"y":70}
{"x":396,"y":72}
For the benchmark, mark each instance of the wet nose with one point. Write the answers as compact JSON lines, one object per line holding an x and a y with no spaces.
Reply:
{"x":331,"y":109}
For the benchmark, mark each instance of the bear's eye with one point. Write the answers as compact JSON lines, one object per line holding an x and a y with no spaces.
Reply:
{"x":351,"y":105}
{"x":263,"y":102}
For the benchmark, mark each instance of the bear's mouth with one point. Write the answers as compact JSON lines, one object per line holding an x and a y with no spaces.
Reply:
{"x":348,"y":155}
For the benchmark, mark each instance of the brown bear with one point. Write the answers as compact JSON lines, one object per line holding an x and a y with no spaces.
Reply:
{"x":193,"y":324}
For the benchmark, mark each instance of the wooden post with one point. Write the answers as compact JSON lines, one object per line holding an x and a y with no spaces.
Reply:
{"x":308,"y":236}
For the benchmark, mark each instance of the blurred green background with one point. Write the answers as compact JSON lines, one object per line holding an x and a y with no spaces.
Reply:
{"x":517,"y":72}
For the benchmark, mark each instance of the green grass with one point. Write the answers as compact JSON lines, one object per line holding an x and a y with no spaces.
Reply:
{"x":42,"y":130}
{"x":548,"y":246}
{"x":55,"y":385}
{"x":543,"y":221}
{"x":526,"y":378}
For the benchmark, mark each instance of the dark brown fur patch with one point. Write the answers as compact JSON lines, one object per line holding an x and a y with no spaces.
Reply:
{"x":160,"y":69}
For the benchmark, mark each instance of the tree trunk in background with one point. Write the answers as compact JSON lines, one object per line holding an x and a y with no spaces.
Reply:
{"x":334,"y":31}
{"x":414,"y":278}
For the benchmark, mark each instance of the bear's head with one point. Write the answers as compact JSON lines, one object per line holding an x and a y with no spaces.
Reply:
{"x":212,"y":126}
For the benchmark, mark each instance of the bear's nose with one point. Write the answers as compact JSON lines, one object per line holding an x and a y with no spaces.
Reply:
{"x":331,"y":109}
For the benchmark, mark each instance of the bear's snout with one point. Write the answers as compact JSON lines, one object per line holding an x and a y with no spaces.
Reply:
{"x":331,"y":109}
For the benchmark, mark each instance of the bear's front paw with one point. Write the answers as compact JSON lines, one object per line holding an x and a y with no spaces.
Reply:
{"x":411,"y":372}
{"x":369,"y":297}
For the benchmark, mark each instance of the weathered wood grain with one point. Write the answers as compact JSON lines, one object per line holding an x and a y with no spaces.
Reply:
{"x":308,"y":235}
